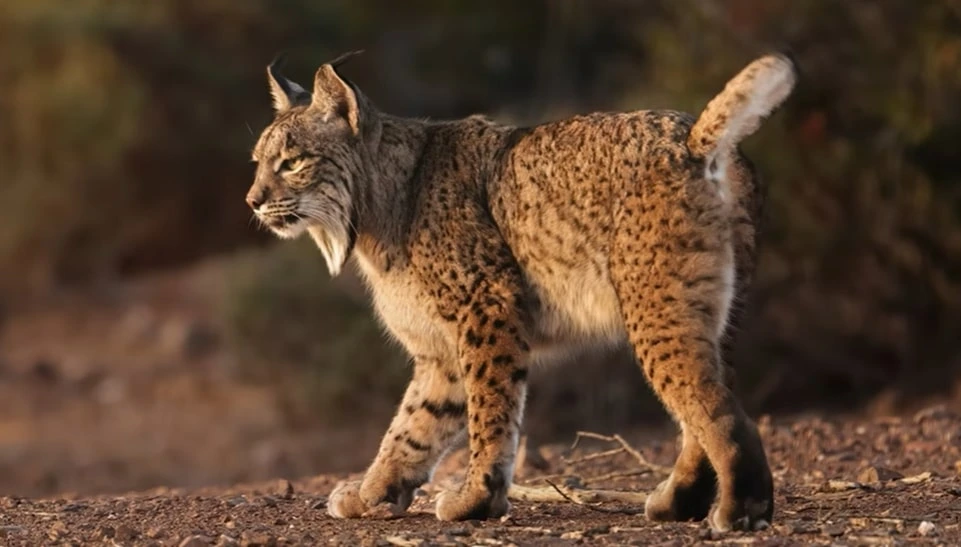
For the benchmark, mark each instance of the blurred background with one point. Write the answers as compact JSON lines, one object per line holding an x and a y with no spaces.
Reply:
{"x":151,"y":335}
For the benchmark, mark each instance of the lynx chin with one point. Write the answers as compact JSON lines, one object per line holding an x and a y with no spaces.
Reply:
{"x":485,"y":246}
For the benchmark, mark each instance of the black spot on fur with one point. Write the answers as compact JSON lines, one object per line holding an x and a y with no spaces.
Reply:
{"x":446,"y":409}
{"x":473,"y":338}
{"x":416,"y":445}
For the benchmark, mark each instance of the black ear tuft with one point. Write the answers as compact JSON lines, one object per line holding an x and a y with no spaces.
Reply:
{"x":344,"y":57}
{"x":285,"y":92}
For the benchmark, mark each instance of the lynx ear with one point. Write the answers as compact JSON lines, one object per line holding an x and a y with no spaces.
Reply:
{"x":286,"y":93}
{"x":333,"y":97}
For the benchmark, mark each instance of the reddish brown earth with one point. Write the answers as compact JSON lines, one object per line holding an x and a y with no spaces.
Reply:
{"x":132,"y":390}
{"x":844,"y":482}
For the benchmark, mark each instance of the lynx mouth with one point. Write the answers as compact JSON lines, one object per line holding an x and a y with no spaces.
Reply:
{"x":282,"y":221}
{"x":285,"y":226}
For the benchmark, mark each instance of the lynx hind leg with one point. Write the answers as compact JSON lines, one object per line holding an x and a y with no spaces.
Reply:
{"x":675,"y":306}
{"x":688,"y":493}
{"x":430,"y":418}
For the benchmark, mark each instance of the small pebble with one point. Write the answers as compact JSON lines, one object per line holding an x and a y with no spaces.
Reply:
{"x":927,"y":528}
{"x":57,"y":531}
{"x":268,"y":501}
{"x":125,"y":533}
{"x":833,"y":530}
{"x":257,"y":538}
{"x":236,"y":501}
{"x":288,"y":490}
{"x":195,"y":541}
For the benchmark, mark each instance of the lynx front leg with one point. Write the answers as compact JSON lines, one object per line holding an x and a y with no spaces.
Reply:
{"x":428,"y":421}
{"x":493,"y":357}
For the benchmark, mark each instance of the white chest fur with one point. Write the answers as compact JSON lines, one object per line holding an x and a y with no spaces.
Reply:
{"x":407,"y":312}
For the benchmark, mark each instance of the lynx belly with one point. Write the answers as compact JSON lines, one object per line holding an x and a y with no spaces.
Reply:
{"x":577,"y":306}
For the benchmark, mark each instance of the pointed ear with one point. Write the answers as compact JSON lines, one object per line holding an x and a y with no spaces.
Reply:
{"x":286,"y":93}
{"x":333,"y":98}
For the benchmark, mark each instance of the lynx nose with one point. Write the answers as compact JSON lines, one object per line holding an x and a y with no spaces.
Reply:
{"x":256,"y":198}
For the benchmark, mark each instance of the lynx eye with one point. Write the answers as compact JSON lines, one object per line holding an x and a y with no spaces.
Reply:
{"x":291,"y":165}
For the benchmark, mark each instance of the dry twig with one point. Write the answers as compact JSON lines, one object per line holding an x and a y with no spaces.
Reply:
{"x":624,"y":447}
{"x":617,"y":475}
{"x":553,"y":494}
{"x":570,"y":496}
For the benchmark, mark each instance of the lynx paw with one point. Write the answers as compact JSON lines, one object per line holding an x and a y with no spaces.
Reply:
{"x":467,"y":504}
{"x":682,"y":500}
{"x":746,"y":516}
{"x":345,"y":501}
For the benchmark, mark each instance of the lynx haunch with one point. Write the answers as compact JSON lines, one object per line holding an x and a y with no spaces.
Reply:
{"x":485,"y":246}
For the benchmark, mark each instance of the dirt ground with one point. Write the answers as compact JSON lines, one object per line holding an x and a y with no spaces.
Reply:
{"x":885,"y":481}
{"x":122,"y":423}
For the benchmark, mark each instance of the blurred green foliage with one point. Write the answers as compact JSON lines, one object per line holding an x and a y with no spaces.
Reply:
{"x":288,"y":326}
{"x":125,"y":128}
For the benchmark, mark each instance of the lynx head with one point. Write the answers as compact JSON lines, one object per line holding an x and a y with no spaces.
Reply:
{"x":313,"y":159}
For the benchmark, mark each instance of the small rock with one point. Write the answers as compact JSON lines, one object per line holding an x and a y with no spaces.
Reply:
{"x":156,"y":533}
{"x":73,"y":507}
{"x":10,"y":503}
{"x":835,"y":485}
{"x":257,"y":539}
{"x":236,"y":501}
{"x":916,"y":479}
{"x":45,"y":371}
{"x":320,"y":503}
{"x":125,"y":533}
{"x":957,"y":467}
{"x":111,"y":390}
{"x":708,"y":534}
{"x":195,"y":541}
{"x":927,"y":528}
{"x":105,"y":532}
{"x":288,"y":490}
{"x":57,"y":531}
{"x":804,"y":528}
{"x":89,"y":380}
{"x":268,"y":501}
{"x":937,"y":412}
{"x":138,"y":325}
{"x":458,"y":532}
{"x":669,"y":543}
{"x":226,"y":541}
{"x":201,"y":339}
{"x":872,"y":474}
{"x":9,"y":530}
{"x":833,"y":530}
{"x":189,"y":339}
{"x":598,"y":530}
